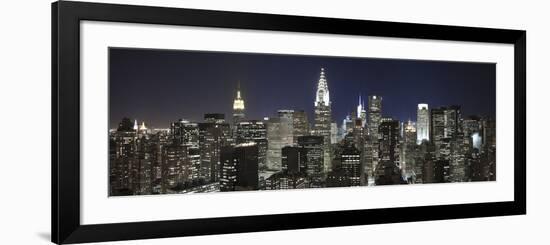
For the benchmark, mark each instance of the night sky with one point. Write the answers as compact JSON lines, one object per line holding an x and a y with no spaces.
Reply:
{"x":162,"y":86}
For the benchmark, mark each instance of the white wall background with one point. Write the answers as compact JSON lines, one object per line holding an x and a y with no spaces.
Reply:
{"x":25,"y":121}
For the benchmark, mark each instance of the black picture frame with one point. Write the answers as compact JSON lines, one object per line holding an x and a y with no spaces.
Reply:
{"x":66,"y":17}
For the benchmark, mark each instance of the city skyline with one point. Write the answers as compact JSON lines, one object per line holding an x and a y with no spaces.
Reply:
{"x":154,"y":85}
{"x":297,"y":147}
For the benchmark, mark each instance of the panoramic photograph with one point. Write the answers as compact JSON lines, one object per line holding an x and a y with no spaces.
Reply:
{"x":185,"y":121}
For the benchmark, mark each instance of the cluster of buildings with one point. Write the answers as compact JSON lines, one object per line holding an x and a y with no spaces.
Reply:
{"x":286,"y":151}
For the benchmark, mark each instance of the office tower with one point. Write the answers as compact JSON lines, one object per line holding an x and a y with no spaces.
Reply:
{"x":274,"y":143}
{"x":347,"y":125}
{"x":373,"y":123}
{"x":457,"y":161}
{"x":408,"y":149}
{"x":300,"y":125}
{"x":473,"y":131}
{"x":375,"y":115}
{"x":123,"y":143}
{"x":313,"y":146}
{"x":351,"y":164}
{"x":185,"y":133}
{"x":239,"y":166}
{"x":253,"y":131}
{"x":333,"y":133}
{"x":287,"y":126}
{"x":323,"y":118}
{"x":194,"y":165}
{"x":280,"y":133}
{"x":389,"y":141}
{"x":362,"y":112}
{"x":213,"y":135}
{"x":489,"y":133}
{"x":238,"y":107}
{"x":422,"y":123}
{"x":217,"y":118}
{"x":142,"y":167}
{"x":293,"y":159}
{"x":445,"y":123}
{"x":172,"y":166}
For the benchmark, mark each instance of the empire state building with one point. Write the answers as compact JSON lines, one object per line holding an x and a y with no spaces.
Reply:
{"x":323,"y":118}
{"x":238,"y":107}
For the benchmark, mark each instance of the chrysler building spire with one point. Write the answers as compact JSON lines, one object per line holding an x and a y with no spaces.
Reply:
{"x":322,"y":90}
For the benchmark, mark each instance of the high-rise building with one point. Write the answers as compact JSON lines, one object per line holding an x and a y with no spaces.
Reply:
{"x":408,"y":149}
{"x":274,"y":143}
{"x":333,"y":132}
{"x":293,"y":159}
{"x":238,"y":107}
{"x":347,"y":125}
{"x":375,"y":115}
{"x":472,"y":127}
{"x":422,"y":123}
{"x":213,"y":135}
{"x":185,"y":133}
{"x":286,"y":131}
{"x":446,"y":122}
{"x":239,"y":166}
{"x":389,"y":141}
{"x":372,"y":142}
{"x":351,"y":164}
{"x":300,"y":125}
{"x":323,"y":118}
{"x":253,"y":131}
{"x":313,"y":147}
{"x":362,"y":112}
{"x":122,"y":149}
{"x":173,"y":166}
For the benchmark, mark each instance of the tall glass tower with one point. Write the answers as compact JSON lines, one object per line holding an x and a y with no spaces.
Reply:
{"x":422,"y":123}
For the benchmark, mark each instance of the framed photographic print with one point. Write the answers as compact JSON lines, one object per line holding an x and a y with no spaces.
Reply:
{"x":175,"y":122}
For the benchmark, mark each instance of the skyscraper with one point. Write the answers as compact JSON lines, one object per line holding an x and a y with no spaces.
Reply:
{"x":293,"y":159}
{"x":375,"y":115}
{"x":389,"y":141}
{"x":408,"y":149}
{"x":323,"y":117}
{"x":445,"y":122}
{"x":239,"y":167}
{"x":253,"y":131}
{"x":238,"y":107}
{"x":372,"y":142}
{"x":313,"y":147}
{"x":287,"y":126}
{"x":361,"y":111}
{"x":213,"y":135}
{"x":280,"y":133}
{"x":351,"y":164}
{"x":185,"y":133}
{"x":422,"y":123}
{"x":300,"y":125}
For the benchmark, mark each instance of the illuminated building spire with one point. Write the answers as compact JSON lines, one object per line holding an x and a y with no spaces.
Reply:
{"x":238,"y":103}
{"x":323,"y":95}
{"x":360,"y":107}
{"x":135,"y":125}
{"x":238,"y":106}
